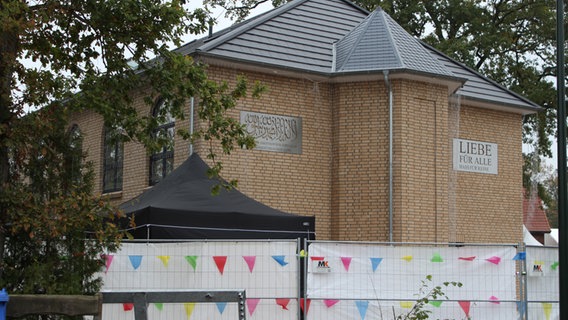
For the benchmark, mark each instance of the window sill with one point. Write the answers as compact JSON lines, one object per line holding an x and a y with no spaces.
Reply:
{"x":112,"y":195}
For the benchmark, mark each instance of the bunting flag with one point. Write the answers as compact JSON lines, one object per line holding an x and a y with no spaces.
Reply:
{"x":165,"y":260}
{"x":159,"y":306}
{"x":362,"y":306}
{"x":435,"y":303}
{"x":281,"y":260}
{"x":406,"y":304}
{"x":220,"y":262}
{"x":221,"y":306}
{"x":494,"y":299}
{"x":283,"y":303}
{"x":465,"y":307}
{"x":128,"y":306}
{"x":108,"y":261}
{"x":135,"y":261}
{"x":554,"y":265}
{"x":437,"y":258}
{"x":330,"y":302}
{"x":521,"y":305}
{"x":250,"y":260}
{"x":307,"y":305}
{"x":467,"y":258}
{"x":251,"y":304}
{"x":192,"y":260}
{"x":495,"y":260}
{"x":375,"y":263}
{"x":547,"y":308}
{"x":189,"y":306}
{"x":520,"y":256}
{"x":303,"y":253}
{"x":407,"y":258}
{"x":346,"y":262}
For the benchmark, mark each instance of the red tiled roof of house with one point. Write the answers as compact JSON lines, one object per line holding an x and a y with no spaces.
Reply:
{"x":534,"y":216}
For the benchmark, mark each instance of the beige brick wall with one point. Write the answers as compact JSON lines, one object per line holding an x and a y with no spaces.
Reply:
{"x":341,"y":176}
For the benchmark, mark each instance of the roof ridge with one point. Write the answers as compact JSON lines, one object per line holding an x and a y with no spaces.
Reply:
{"x":390,"y":38}
{"x":366,"y":23}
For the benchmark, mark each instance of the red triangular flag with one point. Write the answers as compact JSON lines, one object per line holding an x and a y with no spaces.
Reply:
{"x":250,"y":260}
{"x":308,"y":301}
{"x":465,"y":307}
{"x":127,"y":306}
{"x":220,"y":262}
{"x":283,"y":303}
{"x":467,"y":258}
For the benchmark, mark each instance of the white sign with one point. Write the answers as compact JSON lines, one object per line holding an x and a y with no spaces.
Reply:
{"x":274,"y":132}
{"x":475,"y":156}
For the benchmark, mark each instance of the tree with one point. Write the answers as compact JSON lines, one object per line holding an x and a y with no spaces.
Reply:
{"x":509,"y":41}
{"x":61,"y":56}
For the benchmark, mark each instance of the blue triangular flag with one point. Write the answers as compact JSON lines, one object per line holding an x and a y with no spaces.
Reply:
{"x":520,"y":256}
{"x":221,"y":306}
{"x":135,"y":261}
{"x":362,"y":306}
{"x":375,"y":262}
{"x":280,"y":260}
{"x":521,"y":307}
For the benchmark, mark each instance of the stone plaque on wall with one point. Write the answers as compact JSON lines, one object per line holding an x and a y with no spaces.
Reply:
{"x":274,"y":132}
{"x":475,"y":156}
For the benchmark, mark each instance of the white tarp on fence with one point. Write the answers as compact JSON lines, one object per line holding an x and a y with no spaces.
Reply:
{"x":369,"y":281}
{"x":268,"y":271}
{"x":543,"y":283}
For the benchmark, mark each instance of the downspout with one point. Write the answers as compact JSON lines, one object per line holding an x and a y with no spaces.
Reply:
{"x":191,"y":124}
{"x":389,"y":89}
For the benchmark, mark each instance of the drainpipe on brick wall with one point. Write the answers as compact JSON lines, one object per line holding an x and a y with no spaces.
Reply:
{"x":389,"y":89}
{"x":191,"y":124}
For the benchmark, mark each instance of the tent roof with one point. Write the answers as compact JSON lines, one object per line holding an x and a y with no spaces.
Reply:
{"x":181,"y":206}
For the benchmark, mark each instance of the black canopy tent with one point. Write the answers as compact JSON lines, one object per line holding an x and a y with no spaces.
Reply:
{"x":181,"y":206}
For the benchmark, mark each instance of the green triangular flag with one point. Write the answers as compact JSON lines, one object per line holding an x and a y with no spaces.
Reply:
{"x":435,"y":303}
{"x":554,"y":265}
{"x":159,"y":306}
{"x":192,"y":260}
{"x":437,"y":258}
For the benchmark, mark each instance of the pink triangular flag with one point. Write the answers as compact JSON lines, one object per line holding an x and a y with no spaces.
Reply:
{"x":250,"y":260}
{"x":283,"y":303}
{"x":346,"y":262}
{"x":494,"y":299}
{"x":467,"y":258}
{"x":108,"y":261}
{"x":220,"y":262}
{"x":465,"y":307}
{"x":307,"y":306}
{"x":494,"y":260}
{"x":251,"y":304}
{"x":330,"y":302}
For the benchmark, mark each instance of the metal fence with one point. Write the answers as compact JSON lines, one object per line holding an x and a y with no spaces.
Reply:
{"x":340,"y":280}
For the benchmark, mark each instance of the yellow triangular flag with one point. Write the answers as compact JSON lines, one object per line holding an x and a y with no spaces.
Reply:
{"x":406,"y":304}
{"x":407,"y":258}
{"x":189,"y":308}
{"x":547,"y":308}
{"x":165,"y":260}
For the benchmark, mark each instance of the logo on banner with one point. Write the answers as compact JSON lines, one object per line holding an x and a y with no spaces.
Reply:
{"x":538,"y":268}
{"x":321,"y":266}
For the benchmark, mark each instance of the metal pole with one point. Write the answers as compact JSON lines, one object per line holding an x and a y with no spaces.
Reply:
{"x":562,"y":218}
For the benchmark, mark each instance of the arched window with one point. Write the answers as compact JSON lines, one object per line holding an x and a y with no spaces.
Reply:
{"x":112,"y":161}
{"x":162,"y":161}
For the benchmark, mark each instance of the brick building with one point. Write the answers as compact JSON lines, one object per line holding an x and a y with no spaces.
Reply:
{"x":376,"y":134}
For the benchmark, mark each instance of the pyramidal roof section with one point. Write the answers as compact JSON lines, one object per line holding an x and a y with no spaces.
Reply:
{"x":379,"y":43}
{"x":298,"y":35}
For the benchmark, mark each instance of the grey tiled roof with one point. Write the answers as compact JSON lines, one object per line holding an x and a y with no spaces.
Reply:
{"x":298,"y":35}
{"x":479,"y":88}
{"x":379,"y":44}
{"x":336,"y":37}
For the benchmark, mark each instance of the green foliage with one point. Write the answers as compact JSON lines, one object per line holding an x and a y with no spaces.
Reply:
{"x":57,"y":228}
{"x":427,"y":294}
